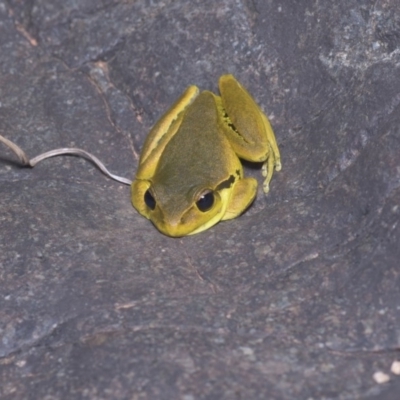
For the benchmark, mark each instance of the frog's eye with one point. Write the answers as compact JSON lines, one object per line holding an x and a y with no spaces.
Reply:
{"x":206,"y":201}
{"x":149,"y":200}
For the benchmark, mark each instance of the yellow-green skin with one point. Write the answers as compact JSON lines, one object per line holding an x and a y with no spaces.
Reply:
{"x":194,"y":149}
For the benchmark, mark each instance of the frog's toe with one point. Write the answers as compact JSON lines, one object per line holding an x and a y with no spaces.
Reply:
{"x":264,"y":170}
{"x":266,"y":187}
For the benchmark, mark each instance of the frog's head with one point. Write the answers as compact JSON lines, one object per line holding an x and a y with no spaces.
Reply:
{"x":176,"y":215}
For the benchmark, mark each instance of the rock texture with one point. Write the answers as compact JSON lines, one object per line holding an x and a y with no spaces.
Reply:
{"x":297,"y":299}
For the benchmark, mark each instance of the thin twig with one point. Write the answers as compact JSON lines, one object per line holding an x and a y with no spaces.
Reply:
{"x":25,"y":161}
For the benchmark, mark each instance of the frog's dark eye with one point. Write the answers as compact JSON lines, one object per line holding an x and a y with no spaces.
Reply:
{"x":205,"y":202}
{"x":149,"y":200}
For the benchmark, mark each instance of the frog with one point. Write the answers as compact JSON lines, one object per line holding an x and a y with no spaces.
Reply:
{"x":190,"y":174}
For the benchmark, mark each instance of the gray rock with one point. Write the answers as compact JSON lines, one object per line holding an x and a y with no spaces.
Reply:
{"x":299,"y":298}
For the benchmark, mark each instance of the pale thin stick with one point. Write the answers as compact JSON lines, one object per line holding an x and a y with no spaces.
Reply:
{"x":25,"y":161}
{"x":17,"y":150}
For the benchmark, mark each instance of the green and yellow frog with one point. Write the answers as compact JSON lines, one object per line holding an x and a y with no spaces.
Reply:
{"x":189,"y":175}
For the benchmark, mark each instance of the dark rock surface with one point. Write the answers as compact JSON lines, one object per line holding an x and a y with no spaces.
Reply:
{"x":297,"y":299}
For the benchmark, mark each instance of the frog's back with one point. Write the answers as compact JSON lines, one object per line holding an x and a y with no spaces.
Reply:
{"x":199,"y":153}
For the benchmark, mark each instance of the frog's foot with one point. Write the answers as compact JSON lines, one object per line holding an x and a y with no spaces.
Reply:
{"x":268,"y":167}
{"x":274,"y":149}
{"x":267,"y":171}
{"x":278,"y":164}
{"x":242,"y":196}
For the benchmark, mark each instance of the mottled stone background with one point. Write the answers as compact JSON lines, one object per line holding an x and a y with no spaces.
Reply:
{"x":297,"y":299}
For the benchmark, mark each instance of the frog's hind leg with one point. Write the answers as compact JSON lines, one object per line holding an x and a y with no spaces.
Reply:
{"x":242,"y":196}
{"x":247,"y":127}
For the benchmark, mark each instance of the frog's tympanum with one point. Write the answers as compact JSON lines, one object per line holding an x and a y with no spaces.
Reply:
{"x":190,"y":176}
